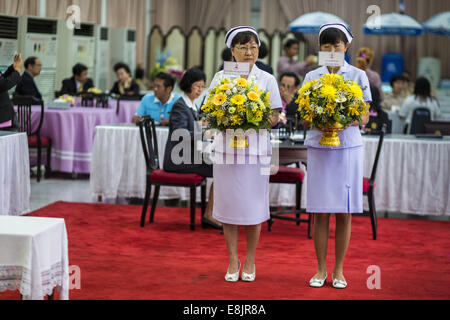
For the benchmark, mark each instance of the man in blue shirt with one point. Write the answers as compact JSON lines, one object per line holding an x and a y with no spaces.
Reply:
{"x":159,"y":104}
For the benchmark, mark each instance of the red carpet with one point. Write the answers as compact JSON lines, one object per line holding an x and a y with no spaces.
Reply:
{"x":165,"y":260}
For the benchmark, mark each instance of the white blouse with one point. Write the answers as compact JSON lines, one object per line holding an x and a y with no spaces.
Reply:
{"x":411,"y":103}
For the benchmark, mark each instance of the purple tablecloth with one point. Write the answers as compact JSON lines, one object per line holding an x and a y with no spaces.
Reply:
{"x":72,"y":133}
{"x":127,"y":109}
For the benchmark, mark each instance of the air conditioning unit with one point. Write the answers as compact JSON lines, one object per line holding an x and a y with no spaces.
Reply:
{"x":102,"y":68}
{"x":75,"y":46}
{"x":123,"y":49}
{"x":38,"y":37}
{"x":9,"y":44}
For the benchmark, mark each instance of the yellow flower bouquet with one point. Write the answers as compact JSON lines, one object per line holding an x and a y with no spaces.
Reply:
{"x":95,"y":90}
{"x":331,"y":103}
{"x":237,"y":104}
{"x":67,"y":98}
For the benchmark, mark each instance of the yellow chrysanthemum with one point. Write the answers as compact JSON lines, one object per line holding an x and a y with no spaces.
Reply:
{"x":253,"y":96}
{"x":356,"y":91}
{"x":238,"y":99}
{"x":224,"y":87}
{"x":219,"y":99}
{"x":329,"y":92}
{"x":241,"y":82}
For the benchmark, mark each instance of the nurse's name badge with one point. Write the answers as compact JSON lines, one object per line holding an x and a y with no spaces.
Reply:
{"x":331,"y":59}
{"x":237,"y":69}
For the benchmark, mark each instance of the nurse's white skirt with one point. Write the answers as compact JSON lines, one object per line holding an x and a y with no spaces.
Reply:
{"x":241,"y":193}
{"x":335,"y":180}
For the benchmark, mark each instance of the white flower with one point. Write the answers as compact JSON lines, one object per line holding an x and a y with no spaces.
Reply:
{"x":228,"y":92}
{"x":307,"y":93}
{"x":341,"y":99}
{"x":317,"y":85}
{"x":232,"y":110}
{"x":319,"y":110}
{"x":234,"y":90}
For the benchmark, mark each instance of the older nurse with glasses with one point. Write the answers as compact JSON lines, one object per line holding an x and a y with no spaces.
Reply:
{"x":241,"y":195}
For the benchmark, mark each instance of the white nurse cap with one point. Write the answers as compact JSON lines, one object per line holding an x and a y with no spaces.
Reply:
{"x":339,"y":26}
{"x":234,"y":31}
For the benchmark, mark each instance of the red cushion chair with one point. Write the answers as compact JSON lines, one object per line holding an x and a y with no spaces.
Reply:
{"x":295,"y":176}
{"x":157,"y":177}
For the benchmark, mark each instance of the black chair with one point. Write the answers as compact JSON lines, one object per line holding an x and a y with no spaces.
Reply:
{"x":35,"y":140}
{"x":437,"y":127}
{"x":369,"y":186}
{"x":294,"y":176}
{"x":419,"y":116}
{"x":158,"y":177}
{"x":87,"y":99}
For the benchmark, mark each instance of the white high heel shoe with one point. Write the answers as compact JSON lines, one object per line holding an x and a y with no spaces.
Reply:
{"x":249,"y":277}
{"x":317,"y":283}
{"x":339,"y":284}
{"x":233,"y":277}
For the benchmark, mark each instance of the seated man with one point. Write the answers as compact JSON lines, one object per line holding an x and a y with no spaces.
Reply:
{"x":79,"y":82}
{"x":289,"y":83}
{"x":27,"y":86}
{"x":159,"y":104}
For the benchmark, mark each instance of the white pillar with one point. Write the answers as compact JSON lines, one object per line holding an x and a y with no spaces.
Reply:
{"x":42,"y":8}
{"x":104,"y":13}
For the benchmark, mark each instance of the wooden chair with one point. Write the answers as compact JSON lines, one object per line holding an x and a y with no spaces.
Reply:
{"x":369,"y":186}
{"x":158,"y":177}
{"x":35,"y":140}
{"x":294,"y":176}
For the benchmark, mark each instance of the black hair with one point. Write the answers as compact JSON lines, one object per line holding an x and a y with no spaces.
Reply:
{"x":78,"y":69}
{"x":263,"y":50}
{"x":226,"y":54}
{"x":243,"y":38}
{"x":375,"y":104}
{"x":422,"y":89}
{"x":291,"y":75}
{"x":191,"y":76}
{"x":397,"y":77}
{"x":332,"y":36}
{"x":139,"y":73}
{"x":31,"y":61}
{"x":121,"y":65}
{"x":290,"y":43}
{"x":169,"y":81}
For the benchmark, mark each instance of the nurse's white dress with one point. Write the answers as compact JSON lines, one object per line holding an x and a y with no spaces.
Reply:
{"x":241,"y":188}
{"x":335,"y":174}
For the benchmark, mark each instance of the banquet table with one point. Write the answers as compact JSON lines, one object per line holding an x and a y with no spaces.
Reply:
{"x":413,"y":174}
{"x":14,"y":174}
{"x":34,"y":256}
{"x":72,"y":133}
{"x":125,"y":112}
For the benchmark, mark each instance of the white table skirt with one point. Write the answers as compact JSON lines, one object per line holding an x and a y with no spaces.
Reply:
{"x":124,"y":176}
{"x":14,"y":174}
{"x":412,"y":177}
{"x":34,"y":256}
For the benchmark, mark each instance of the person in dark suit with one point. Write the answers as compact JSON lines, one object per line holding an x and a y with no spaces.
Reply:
{"x":125,"y":85}
{"x":79,"y":82}
{"x":7,"y":81}
{"x":26,"y":85}
{"x":184,"y":116}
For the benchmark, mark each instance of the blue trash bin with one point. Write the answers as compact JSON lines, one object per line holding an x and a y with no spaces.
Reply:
{"x":392,"y":64}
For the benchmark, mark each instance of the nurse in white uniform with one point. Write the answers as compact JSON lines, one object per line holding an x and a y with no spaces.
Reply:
{"x":241,"y":191}
{"x":335,"y":174}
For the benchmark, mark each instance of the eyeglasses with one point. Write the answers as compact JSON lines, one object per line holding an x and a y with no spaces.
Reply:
{"x":243,"y":49}
{"x":198,"y":86}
